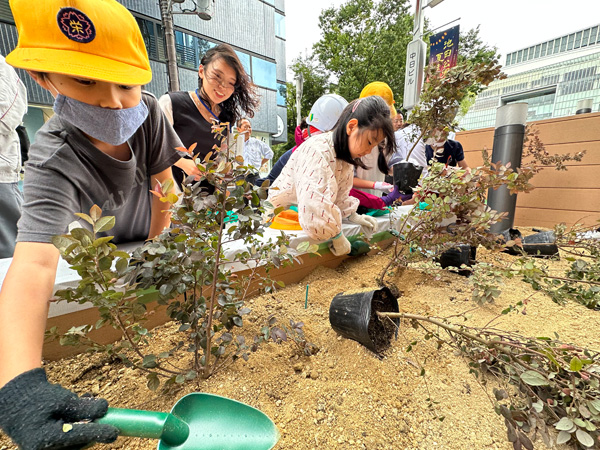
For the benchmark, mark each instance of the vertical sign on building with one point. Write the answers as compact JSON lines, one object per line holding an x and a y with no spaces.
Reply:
{"x":444,"y":49}
{"x":413,"y":77}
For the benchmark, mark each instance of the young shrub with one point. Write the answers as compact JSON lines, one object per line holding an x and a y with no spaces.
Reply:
{"x":189,"y":267}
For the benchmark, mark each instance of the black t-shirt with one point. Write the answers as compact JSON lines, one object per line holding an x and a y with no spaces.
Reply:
{"x":453,"y":153}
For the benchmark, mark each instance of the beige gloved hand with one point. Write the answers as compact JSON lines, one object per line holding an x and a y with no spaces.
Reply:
{"x":340,"y":245}
{"x":368,"y":223}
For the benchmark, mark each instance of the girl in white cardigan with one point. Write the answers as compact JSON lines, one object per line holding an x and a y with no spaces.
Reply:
{"x":318,"y":176}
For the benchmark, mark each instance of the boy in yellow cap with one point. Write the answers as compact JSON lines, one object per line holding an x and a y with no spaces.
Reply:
{"x":107,"y":144}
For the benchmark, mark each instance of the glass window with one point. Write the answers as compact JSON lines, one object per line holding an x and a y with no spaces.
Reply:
{"x":186,"y":47}
{"x":245,"y":59}
{"x":556,"y":45}
{"x":563,"y":44}
{"x":264,"y":73}
{"x":203,"y":47}
{"x":160,"y":43}
{"x":586,"y":38}
{"x":531,"y":52}
{"x":147,"y":29}
{"x":593,"y":35}
{"x":538,"y":48}
{"x":543,"y":51}
{"x":281,"y":94}
{"x":571,"y":42}
{"x":578,"y":40}
{"x":279,"y":25}
{"x":519,"y":56}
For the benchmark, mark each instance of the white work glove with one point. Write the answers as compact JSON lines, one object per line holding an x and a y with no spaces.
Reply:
{"x":368,"y":223}
{"x":339,"y":245}
{"x":383,"y":186}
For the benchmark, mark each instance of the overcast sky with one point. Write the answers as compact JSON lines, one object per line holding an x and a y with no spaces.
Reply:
{"x":508,"y":24}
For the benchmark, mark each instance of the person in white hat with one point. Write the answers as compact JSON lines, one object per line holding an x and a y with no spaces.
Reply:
{"x":323,"y":115}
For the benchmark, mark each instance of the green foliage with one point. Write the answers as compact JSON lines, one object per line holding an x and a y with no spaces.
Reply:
{"x":364,"y":41}
{"x":185,"y":268}
{"x":441,"y":97}
{"x":545,"y":383}
{"x":581,"y":281}
{"x":455,"y":213}
{"x":486,"y":282}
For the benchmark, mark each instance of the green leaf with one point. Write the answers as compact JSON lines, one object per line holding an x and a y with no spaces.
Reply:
{"x":563,"y":437}
{"x":104,"y":224}
{"x":564,"y":424}
{"x":191,"y":375}
{"x":595,"y":404}
{"x":576,"y":364}
{"x":303,"y":247}
{"x":533,"y":378}
{"x":103,"y":240}
{"x":149,"y":362}
{"x":584,"y":438}
{"x":153,"y":381}
{"x":85,"y":217}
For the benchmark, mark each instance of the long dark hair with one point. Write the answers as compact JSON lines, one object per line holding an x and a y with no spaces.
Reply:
{"x":244,"y":99}
{"x":372,"y":113}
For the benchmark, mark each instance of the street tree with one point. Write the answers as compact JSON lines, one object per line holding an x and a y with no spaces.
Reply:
{"x":364,"y":41}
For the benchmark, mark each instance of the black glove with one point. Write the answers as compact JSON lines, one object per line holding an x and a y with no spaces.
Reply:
{"x":33,"y":412}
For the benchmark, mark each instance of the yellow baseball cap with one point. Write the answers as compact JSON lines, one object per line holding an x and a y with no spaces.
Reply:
{"x":96,"y":39}
{"x":383,"y":90}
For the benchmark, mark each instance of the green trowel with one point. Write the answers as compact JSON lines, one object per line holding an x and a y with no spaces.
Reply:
{"x":201,"y":422}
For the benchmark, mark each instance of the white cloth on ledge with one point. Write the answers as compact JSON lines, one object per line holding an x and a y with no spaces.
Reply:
{"x":67,"y":277}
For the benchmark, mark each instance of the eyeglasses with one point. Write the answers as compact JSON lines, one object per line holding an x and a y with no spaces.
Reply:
{"x":216,"y":78}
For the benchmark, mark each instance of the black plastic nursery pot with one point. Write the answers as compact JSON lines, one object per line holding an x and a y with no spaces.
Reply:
{"x":406,"y":176}
{"x":457,"y":256}
{"x":540,"y":245}
{"x":354,"y":316}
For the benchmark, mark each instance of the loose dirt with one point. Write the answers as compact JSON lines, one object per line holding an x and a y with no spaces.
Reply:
{"x":345,"y":397}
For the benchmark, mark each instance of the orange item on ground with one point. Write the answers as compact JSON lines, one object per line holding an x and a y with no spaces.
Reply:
{"x":286,"y":220}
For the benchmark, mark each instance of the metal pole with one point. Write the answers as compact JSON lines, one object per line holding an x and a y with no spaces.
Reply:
{"x":299,"y":87}
{"x":508,"y":147}
{"x":167,"y":20}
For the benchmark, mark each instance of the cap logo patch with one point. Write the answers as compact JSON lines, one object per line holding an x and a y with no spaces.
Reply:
{"x":76,"y":25}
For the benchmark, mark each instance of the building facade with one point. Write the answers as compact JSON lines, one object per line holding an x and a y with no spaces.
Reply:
{"x":556,"y":78}
{"x":254,"y":28}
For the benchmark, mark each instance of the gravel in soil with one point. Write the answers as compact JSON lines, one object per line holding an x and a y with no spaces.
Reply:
{"x":345,"y":397}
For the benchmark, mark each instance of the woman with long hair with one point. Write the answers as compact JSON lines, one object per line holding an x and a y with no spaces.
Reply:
{"x":225,"y":93}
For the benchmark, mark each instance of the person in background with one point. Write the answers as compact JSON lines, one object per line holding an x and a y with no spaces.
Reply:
{"x":256,"y":152}
{"x":324,"y":114}
{"x":371,"y":179}
{"x":225,"y":92}
{"x":108,"y":144}
{"x":298,"y":133}
{"x":444,"y":150}
{"x":318,"y":176}
{"x":13,"y":106}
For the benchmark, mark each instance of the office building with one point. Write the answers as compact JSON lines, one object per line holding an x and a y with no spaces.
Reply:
{"x":255,"y":29}
{"x":556,"y":78}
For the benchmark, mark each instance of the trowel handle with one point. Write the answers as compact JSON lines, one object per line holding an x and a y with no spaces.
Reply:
{"x":147,"y":424}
